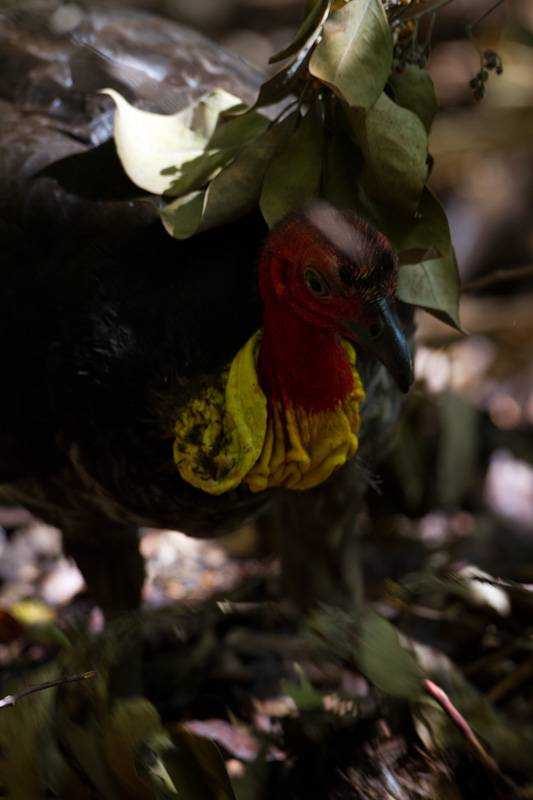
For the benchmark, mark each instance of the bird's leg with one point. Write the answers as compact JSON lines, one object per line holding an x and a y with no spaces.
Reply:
{"x":108,"y":556}
{"x":320,"y":547}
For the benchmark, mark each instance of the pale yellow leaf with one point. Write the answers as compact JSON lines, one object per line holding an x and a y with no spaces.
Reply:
{"x":153,"y":147}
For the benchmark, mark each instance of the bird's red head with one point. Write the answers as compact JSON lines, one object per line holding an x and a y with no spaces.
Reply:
{"x":338,"y":274}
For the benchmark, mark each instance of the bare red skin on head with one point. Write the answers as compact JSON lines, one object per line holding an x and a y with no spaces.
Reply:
{"x":302,"y":361}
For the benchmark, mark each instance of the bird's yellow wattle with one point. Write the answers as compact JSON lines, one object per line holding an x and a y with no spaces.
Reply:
{"x":219,"y":434}
{"x":224,"y":436}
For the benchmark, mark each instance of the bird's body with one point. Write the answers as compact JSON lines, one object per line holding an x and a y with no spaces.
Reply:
{"x":81,"y":294}
{"x":109,"y":327}
{"x":90,"y":391}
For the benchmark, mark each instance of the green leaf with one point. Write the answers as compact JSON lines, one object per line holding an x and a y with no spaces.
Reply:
{"x":149,"y":761}
{"x":305,"y":696}
{"x":375,"y":646}
{"x":233,"y":192}
{"x":343,"y":174}
{"x":422,"y":236}
{"x":434,"y":285}
{"x":154,"y":147}
{"x":22,"y":728}
{"x":293,"y":176}
{"x":413,"y":236}
{"x":129,"y":724}
{"x":57,"y":773}
{"x":428,"y":275}
{"x":395,"y":148}
{"x":197,"y":768}
{"x":385,"y":661}
{"x":413,"y":89}
{"x":84,"y":747}
{"x":237,"y":189}
{"x":354,"y":55}
{"x":307,"y":32}
{"x":182,"y":217}
{"x":285,"y":81}
{"x":225,"y":143}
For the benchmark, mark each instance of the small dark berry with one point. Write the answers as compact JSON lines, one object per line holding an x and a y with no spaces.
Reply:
{"x":475,"y":83}
{"x":499,"y":69}
{"x":484,"y":75}
{"x":479,"y":94}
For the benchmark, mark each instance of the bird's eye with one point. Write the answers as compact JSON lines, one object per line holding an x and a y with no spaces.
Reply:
{"x":316,"y":283}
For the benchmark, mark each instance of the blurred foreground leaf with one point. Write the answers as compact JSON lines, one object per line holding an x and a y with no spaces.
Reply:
{"x":304,"y":695}
{"x":375,"y":646}
{"x":197,"y":768}
{"x":22,"y":728}
{"x":385,"y":661}
{"x":80,"y":741}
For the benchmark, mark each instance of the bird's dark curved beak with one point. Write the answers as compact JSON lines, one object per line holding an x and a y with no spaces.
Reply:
{"x":383,"y":336}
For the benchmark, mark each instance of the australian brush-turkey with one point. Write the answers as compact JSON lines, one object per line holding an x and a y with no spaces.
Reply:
{"x":116,"y":339}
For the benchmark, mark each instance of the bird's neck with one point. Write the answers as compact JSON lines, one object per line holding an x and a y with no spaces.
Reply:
{"x":300,"y":365}
{"x":284,"y":413}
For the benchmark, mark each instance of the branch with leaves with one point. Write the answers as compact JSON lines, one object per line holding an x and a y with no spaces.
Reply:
{"x":353,"y":110}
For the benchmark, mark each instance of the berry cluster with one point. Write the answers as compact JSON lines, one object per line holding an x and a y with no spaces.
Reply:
{"x":490,"y":60}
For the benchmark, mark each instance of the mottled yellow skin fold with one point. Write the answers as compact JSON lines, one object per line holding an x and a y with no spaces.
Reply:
{"x":220,"y":433}
{"x":224,"y":436}
{"x":302,"y":449}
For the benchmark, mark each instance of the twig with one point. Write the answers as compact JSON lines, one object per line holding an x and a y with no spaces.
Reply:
{"x":413,"y":51}
{"x":431,"y":10}
{"x":468,"y":28}
{"x":504,"y":787}
{"x":498,"y":276}
{"x":429,"y":34}
{"x":511,"y":682}
{"x":487,"y":660}
{"x":11,"y":699}
{"x":461,"y":724}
